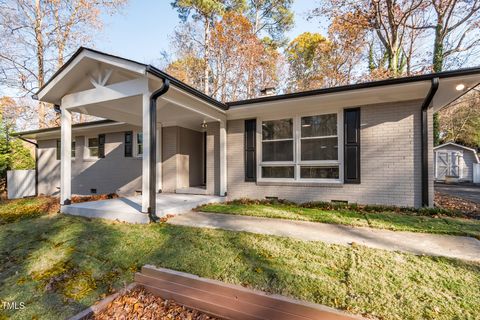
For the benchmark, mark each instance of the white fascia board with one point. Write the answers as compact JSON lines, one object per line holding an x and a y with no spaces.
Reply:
{"x":108,"y":93}
{"x":113,"y":61}
{"x":335,"y":100}
{"x":198,"y":105}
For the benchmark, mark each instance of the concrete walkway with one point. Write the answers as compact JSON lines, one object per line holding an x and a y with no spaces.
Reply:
{"x":465,"y":248}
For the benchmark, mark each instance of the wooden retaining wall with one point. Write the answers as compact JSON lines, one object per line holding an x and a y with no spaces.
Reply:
{"x":229,"y":301}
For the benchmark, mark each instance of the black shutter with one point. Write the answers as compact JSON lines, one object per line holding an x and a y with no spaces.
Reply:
{"x":352,"y":145}
{"x":128,"y":144}
{"x":59,"y":149}
{"x":101,"y":146}
{"x":250,"y":150}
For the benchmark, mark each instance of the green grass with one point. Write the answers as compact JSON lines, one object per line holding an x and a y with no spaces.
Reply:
{"x":397,"y":221}
{"x":15,"y":210}
{"x":58,"y":265}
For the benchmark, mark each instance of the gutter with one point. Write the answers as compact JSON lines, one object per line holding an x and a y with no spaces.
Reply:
{"x":36,"y":161}
{"x":152,"y":199}
{"x":52,"y":129}
{"x":162,"y":75}
{"x":424,"y":128}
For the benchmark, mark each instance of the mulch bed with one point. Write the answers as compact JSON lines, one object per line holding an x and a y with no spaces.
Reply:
{"x":94,"y":197}
{"x":468,"y":208}
{"x":139,"y":304}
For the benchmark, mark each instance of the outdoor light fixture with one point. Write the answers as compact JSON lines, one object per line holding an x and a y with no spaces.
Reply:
{"x":204,"y":125}
{"x":460,"y":87}
{"x":306,"y":125}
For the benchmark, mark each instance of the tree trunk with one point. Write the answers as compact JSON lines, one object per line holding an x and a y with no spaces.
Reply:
{"x":437,"y":65}
{"x":207,"y":56}
{"x":40,"y":61}
{"x":437,"y":62}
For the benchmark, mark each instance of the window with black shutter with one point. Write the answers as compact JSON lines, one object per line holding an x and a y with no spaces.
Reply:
{"x":250,"y":151}
{"x":128,"y":144}
{"x":101,"y":145}
{"x":59,"y":149}
{"x":352,"y":145}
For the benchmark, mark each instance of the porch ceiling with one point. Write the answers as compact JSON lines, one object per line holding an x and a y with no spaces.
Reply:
{"x":129,"y":110}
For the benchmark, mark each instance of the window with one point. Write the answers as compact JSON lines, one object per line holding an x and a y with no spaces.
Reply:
{"x":59,"y":149}
{"x":92,"y":146}
{"x":277,"y":147}
{"x":302,"y":148}
{"x":139,"y":144}
{"x":128,"y":144}
{"x":318,"y":144}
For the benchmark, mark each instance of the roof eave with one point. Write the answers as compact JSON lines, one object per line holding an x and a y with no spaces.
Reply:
{"x":357,"y":86}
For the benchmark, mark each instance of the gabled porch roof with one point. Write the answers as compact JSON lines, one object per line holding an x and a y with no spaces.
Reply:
{"x":64,"y":79}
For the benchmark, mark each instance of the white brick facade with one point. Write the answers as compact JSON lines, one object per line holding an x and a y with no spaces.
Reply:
{"x":390,"y":162}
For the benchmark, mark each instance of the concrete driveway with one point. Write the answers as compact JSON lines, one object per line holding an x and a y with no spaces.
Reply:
{"x":467,"y":191}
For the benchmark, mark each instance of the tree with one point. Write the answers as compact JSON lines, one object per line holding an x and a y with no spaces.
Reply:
{"x":273,"y":17}
{"x":306,"y":55}
{"x":388,"y":21}
{"x":456,"y":29}
{"x":37,"y":35}
{"x":347,"y":36}
{"x":241,"y":62}
{"x":188,"y":69}
{"x":460,"y":122}
{"x":206,"y":12}
{"x":13,"y":153}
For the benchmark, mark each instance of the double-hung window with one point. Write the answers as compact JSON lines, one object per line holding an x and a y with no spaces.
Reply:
{"x":319,"y":147}
{"x":92,"y":147}
{"x":278,"y":149}
{"x":302,"y":148}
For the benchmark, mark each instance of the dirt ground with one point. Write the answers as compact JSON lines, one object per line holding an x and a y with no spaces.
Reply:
{"x":139,"y":304}
{"x":469,"y":208}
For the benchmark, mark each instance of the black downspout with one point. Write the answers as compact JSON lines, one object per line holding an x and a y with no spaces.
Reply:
{"x":152,"y":204}
{"x":36,"y":161}
{"x":424,"y":125}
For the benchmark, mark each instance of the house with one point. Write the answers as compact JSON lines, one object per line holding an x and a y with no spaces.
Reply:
{"x":455,"y":160}
{"x":367,"y":143}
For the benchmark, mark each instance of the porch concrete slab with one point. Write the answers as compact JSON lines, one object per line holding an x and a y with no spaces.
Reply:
{"x":465,"y":248}
{"x":128,"y":209}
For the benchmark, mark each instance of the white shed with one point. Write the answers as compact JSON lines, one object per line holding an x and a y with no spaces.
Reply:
{"x":455,"y":160}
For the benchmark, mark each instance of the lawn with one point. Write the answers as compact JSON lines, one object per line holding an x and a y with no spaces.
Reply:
{"x":398,"y":221}
{"x":57,"y":265}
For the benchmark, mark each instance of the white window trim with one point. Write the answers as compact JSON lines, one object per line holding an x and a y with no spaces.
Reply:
{"x":297,"y":163}
{"x":135,"y":145}
{"x":86,"y":150}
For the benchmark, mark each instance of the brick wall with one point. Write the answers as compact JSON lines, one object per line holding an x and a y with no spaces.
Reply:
{"x":390,"y":162}
{"x":113,"y":174}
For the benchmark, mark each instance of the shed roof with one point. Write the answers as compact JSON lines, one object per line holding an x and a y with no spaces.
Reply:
{"x":451,"y":143}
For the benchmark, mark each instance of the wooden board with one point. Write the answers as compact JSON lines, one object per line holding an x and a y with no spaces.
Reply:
{"x":229,"y":301}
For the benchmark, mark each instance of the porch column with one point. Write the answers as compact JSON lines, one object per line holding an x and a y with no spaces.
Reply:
{"x":223,"y":158}
{"x":148,"y":156}
{"x":66,"y":157}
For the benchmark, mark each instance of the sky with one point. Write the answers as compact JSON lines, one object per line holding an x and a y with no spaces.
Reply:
{"x":143,"y":29}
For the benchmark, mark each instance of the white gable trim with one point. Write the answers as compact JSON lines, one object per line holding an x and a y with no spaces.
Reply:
{"x":459,"y":146}
{"x":85,"y":53}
